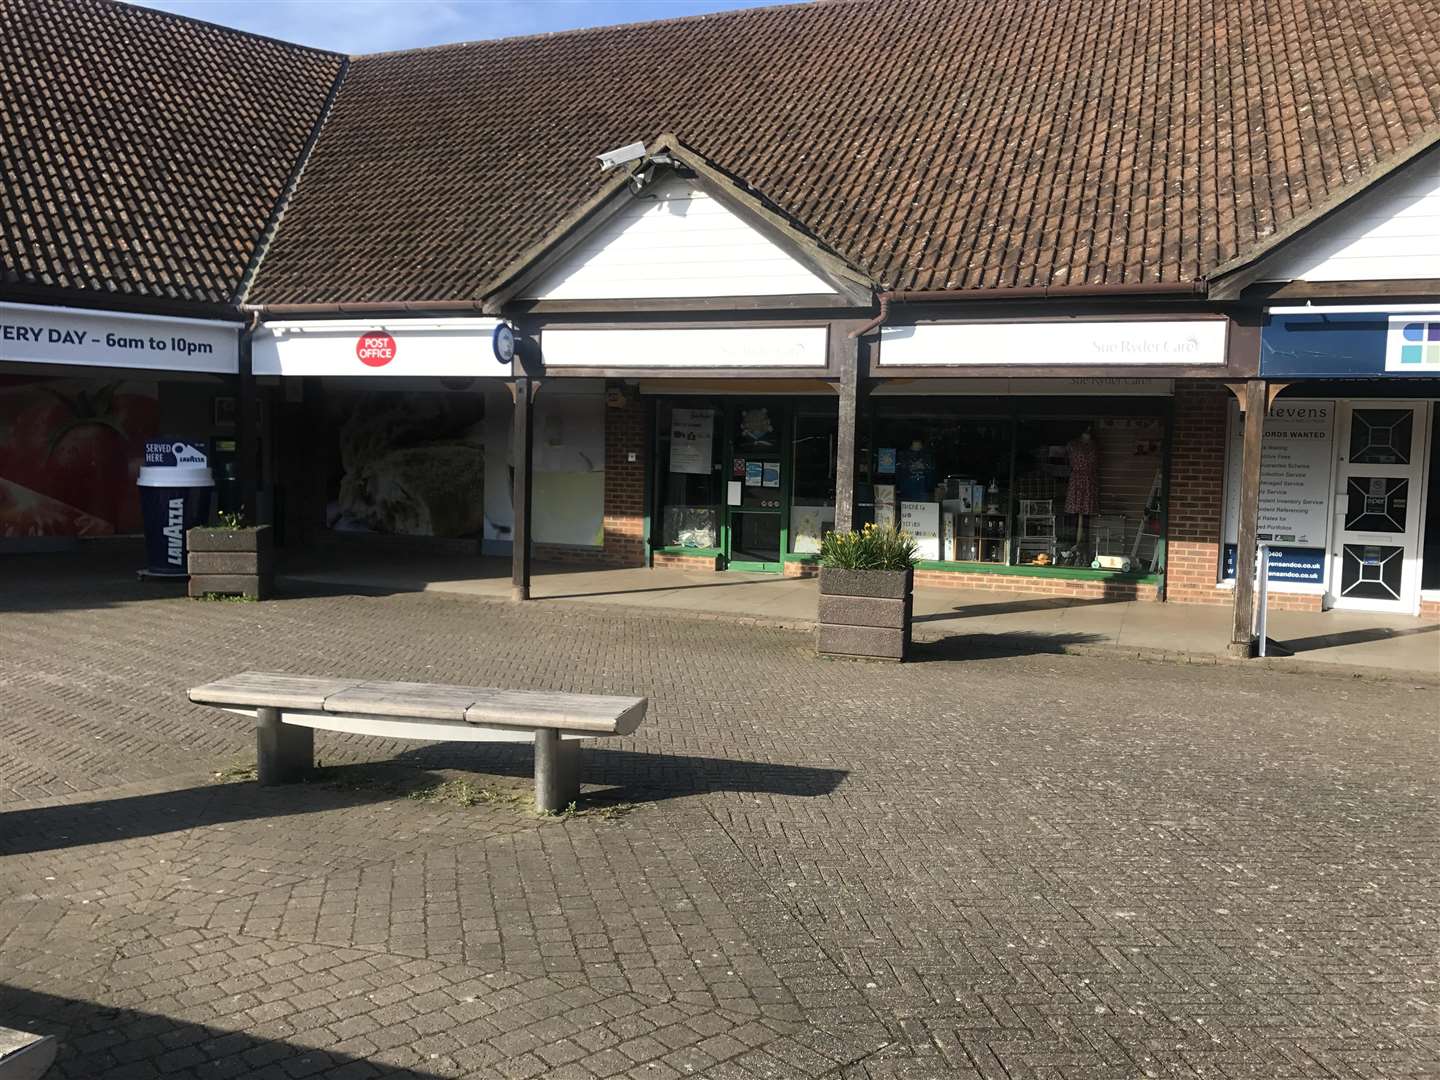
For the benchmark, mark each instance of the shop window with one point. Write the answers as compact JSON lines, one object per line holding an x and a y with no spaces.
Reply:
{"x":942,"y":472}
{"x":688,"y":473}
{"x":812,"y":499}
{"x":1088,"y":492}
{"x":1022,"y":482}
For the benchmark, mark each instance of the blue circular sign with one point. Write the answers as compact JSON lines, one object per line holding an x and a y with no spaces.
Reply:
{"x":503,"y":342}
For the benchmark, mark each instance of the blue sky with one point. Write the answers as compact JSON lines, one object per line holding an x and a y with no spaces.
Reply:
{"x":366,"y":26}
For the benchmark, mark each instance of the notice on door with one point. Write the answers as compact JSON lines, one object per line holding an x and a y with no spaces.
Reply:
{"x":1297,"y":449}
{"x":692,"y":438}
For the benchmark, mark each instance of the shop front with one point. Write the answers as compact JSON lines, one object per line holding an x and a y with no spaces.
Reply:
{"x":81,"y":393}
{"x":381,"y":430}
{"x":744,"y":481}
{"x":1017,"y":479}
{"x":1349,"y":448}
{"x":1033,"y":455}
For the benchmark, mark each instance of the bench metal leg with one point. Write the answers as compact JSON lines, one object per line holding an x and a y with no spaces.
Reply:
{"x":557,"y":771}
{"x":284,"y":753}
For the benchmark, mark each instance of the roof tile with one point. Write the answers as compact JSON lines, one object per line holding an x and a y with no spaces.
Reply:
{"x":147,"y":149}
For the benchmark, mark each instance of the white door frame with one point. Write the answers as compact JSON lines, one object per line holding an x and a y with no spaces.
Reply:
{"x":1346,"y":545}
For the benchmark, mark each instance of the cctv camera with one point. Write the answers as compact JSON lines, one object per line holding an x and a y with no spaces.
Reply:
{"x":621,"y":155}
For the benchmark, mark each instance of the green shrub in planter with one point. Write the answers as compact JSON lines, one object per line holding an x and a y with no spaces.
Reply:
{"x":866,"y":580}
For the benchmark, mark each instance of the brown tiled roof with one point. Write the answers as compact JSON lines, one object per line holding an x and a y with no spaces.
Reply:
{"x":933,"y":143}
{"x":144,"y":153}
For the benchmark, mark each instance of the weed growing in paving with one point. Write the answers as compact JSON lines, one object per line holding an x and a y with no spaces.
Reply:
{"x":237,"y":772}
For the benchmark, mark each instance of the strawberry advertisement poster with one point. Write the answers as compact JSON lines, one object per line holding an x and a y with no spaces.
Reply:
{"x":70,"y":453}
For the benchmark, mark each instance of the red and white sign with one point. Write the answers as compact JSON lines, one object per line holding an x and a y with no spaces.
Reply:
{"x":375,"y":350}
{"x":392,"y":348}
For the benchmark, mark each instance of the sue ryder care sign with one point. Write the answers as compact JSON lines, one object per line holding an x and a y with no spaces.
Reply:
{"x":1094,"y":342}
{"x":36,"y":334}
{"x":1297,"y":452}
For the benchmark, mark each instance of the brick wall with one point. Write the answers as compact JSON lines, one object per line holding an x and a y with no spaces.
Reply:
{"x":1197,"y":494}
{"x":686,"y":562}
{"x":1025,"y":585}
{"x":625,"y":479}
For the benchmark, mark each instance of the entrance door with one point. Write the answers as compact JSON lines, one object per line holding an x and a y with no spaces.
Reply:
{"x":1376,"y":541}
{"x":758,"y":487}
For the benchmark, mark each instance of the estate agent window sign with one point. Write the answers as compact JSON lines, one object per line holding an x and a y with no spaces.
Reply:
{"x":1297,"y":451}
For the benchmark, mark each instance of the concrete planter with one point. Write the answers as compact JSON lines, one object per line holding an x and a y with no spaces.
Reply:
{"x":864,"y":614}
{"x":231,"y":562}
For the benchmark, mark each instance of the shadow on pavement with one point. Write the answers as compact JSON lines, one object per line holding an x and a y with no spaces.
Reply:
{"x":964,"y":646}
{"x":128,"y":817}
{"x":1016,"y":607}
{"x":1356,"y":637}
{"x":100,"y":1041}
{"x":627,"y":775}
{"x":636,"y":776}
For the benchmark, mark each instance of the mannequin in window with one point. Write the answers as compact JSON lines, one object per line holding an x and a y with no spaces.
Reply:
{"x":915,"y":473}
{"x":1082,"y":494}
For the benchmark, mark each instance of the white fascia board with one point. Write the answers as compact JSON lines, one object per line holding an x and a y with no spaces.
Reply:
{"x":1056,"y":343}
{"x":688,"y":348}
{"x":89,"y":337}
{"x":457,"y":348}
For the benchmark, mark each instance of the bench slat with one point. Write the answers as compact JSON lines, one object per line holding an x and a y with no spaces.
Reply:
{"x":611,"y":715}
{"x":480,"y":705}
{"x":270,"y":690}
{"x":423,"y":701}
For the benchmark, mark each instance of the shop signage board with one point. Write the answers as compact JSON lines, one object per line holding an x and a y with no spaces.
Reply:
{"x":1351,"y":341}
{"x":455,"y":348}
{"x":1412,"y":345}
{"x":1056,"y":343}
{"x":687,"y":348}
{"x":692,"y":440}
{"x":1297,"y":453}
{"x":37,"y":334}
{"x":922,"y":521}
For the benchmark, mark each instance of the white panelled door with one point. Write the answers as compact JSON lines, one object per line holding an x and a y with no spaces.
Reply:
{"x":1375,"y":544}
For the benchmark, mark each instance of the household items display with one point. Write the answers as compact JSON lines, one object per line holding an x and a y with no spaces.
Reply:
{"x":1036,"y":539}
{"x":690,"y":527}
{"x":980,"y":537}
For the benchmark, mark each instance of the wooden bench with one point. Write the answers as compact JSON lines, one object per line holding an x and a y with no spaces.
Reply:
{"x":25,"y":1055}
{"x":290,"y":708}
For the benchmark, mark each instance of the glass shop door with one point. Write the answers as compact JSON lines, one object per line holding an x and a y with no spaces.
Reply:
{"x":757,"y":484}
{"x":1376,"y":540}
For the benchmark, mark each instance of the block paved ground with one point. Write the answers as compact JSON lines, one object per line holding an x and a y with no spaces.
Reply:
{"x":1000,"y":867}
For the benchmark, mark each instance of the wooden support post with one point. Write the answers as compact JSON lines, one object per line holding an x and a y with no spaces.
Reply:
{"x":284,"y":753}
{"x":557,"y":771}
{"x":247,"y":431}
{"x":847,"y":356}
{"x":1254,"y":405}
{"x":523,"y":455}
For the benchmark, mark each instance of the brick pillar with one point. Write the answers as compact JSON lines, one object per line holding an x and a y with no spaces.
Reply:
{"x":625,"y":479}
{"x":1197,"y":494}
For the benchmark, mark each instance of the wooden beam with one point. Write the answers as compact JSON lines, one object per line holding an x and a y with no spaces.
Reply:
{"x":523,"y":456}
{"x":1253,"y":404}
